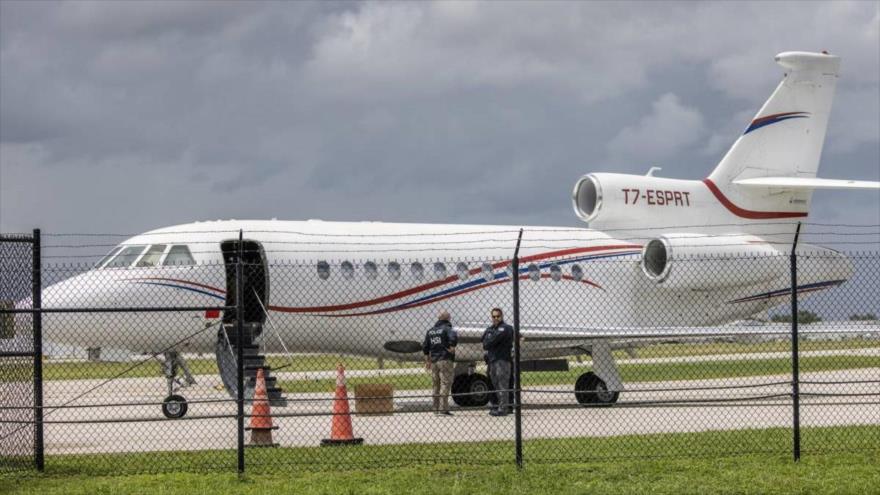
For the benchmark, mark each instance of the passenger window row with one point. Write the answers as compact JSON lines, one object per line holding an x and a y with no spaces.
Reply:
{"x":147,"y":256}
{"x":462,"y":271}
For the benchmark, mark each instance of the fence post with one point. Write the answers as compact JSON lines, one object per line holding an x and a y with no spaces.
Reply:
{"x":517,"y":389}
{"x":795,"y":366}
{"x":239,"y":332}
{"x":37,"y":304}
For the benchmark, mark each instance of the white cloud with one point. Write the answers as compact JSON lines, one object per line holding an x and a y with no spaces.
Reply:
{"x":723,"y":137}
{"x":362,"y":110}
{"x":667,"y":130}
{"x":392,"y":50}
{"x":855,"y":120}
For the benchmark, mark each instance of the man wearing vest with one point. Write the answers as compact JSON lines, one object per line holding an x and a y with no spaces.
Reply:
{"x":439,"y":350}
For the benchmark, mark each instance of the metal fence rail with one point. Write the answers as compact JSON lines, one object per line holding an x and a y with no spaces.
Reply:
{"x":170,"y":362}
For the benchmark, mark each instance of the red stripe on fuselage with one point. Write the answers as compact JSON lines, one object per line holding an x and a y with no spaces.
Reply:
{"x":750,"y":214}
{"x":189,"y":282}
{"x":438,"y":283}
{"x":447,"y":296}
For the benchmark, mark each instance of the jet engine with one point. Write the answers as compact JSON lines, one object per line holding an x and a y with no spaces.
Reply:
{"x":699,"y":261}
{"x":615,"y":200}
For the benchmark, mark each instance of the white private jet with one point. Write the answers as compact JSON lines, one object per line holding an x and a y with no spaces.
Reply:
{"x":372,"y":289}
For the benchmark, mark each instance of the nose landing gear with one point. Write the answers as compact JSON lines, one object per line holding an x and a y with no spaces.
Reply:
{"x":175,"y":406}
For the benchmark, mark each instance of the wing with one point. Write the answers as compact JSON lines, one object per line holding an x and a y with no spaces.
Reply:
{"x":570,"y":336}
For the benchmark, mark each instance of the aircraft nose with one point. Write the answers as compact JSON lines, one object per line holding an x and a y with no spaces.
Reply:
{"x":78,"y":291}
{"x":83,"y":290}
{"x":57,"y":295}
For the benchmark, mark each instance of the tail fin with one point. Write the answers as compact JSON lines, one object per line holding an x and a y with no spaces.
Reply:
{"x":785,"y":138}
{"x":781,"y":145}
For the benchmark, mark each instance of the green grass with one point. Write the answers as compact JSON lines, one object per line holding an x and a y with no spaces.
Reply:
{"x":81,"y":370}
{"x":642,"y":372}
{"x":704,"y":349}
{"x":835,"y":460}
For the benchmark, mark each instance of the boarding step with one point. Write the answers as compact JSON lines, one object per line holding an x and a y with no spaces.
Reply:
{"x":275,"y":393}
{"x":253,"y":360}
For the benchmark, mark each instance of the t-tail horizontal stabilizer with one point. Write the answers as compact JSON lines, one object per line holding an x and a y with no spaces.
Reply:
{"x":806,"y":183}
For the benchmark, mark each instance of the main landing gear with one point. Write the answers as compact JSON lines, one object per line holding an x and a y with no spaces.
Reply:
{"x":475,"y":390}
{"x":174,"y":406}
{"x":589,"y":389}
{"x":601,"y":386}
{"x":471,"y":390}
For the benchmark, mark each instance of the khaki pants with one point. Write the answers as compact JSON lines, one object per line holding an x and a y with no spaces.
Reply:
{"x":441,"y":372}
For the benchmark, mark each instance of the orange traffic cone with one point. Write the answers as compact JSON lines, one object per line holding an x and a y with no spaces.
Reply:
{"x":261,"y":416}
{"x":340,"y":428}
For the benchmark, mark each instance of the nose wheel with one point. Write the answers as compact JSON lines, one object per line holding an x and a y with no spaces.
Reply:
{"x":174,"y":407}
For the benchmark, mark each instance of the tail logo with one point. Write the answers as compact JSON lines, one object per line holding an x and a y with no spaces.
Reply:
{"x":772,"y":119}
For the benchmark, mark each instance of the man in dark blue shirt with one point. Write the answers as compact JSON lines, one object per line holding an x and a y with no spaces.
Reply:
{"x":497,"y":344}
{"x":439,"y":350}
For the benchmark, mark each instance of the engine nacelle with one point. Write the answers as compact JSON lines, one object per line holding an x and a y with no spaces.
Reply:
{"x":622,"y":199}
{"x":696,"y":261}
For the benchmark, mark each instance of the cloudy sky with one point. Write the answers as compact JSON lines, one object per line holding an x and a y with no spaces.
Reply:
{"x":126,"y":116}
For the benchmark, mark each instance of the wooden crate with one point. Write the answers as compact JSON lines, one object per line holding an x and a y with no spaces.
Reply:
{"x":374,"y":398}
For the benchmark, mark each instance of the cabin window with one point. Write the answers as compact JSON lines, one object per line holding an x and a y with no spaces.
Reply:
{"x":534,"y":272}
{"x":126,"y":257}
{"x":462,"y":271}
{"x":370,"y":270}
{"x":577,"y":272}
{"x":486,"y":269}
{"x":179,"y":256}
{"x":151,"y":258}
{"x":347,"y":270}
{"x":555,"y":272}
{"x":417,"y":270}
{"x":394,"y":270}
{"x":323,"y":270}
{"x":107,"y":258}
{"x":439,"y":270}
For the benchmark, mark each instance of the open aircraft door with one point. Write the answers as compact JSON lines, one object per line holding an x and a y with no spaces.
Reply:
{"x":254,"y":294}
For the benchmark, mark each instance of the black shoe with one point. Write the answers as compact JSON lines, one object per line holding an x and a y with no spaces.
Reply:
{"x":496,"y":412}
{"x":444,"y":413}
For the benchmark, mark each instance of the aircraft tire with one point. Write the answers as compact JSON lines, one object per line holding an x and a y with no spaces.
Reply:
{"x":590,"y":389}
{"x":481,"y":388}
{"x":476,"y":385}
{"x":174,"y":407}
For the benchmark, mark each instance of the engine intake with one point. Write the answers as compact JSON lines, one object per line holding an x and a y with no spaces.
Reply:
{"x":698,"y":261}
{"x":587,"y":198}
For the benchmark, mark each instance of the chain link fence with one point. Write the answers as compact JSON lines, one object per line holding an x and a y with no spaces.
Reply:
{"x":173,"y":364}
{"x":19,"y":385}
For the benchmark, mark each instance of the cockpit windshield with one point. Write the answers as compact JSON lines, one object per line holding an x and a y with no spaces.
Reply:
{"x":105,"y":259}
{"x":147,"y":256}
{"x":153,"y":255}
{"x":179,"y":256}
{"x":125,"y":257}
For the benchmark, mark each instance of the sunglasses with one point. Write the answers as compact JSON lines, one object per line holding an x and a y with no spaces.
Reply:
{"x":496,"y":316}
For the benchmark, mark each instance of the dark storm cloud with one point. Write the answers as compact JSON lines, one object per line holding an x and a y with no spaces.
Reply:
{"x":124,"y":116}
